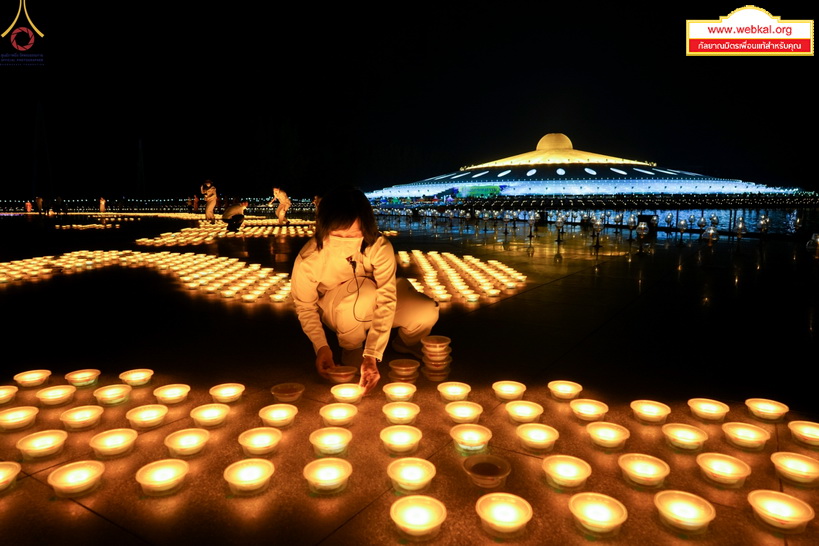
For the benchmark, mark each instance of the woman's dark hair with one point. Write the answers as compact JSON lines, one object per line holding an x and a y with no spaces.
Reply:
{"x":339,"y":209}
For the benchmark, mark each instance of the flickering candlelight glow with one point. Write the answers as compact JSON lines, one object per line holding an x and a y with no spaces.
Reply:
{"x":32,"y":378}
{"x":75,"y":479}
{"x":787,"y":514}
{"x":111,"y":395}
{"x":172,"y":394}
{"x":162,"y":477}
{"x":452,"y":391}
{"x":464,"y":411}
{"x":350,"y":393}
{"x":566,"y":471}
{"x":767,"y":410}
{"x":649,"y":411}
{"x":57,"y":395}
{"x":508,"y":390}
{"x":249,"y":476}
{"x":707,"y":409}
{"x":400,"y":439}
{"x":503,"y":514}
{"x":410,"y":474}
{"x":8,"y":474}
{"x":470,"y":437}
{"x":7,"y":393}
{"x":42,"y":444}
{"x":81,"y":417}
{"x":806,"y":432}
{"x":399,"y":392}
{"x":278,"y":415}
{"x":796,"y":467}
{"x":114,"y":442}
{"x":537,"y":437}
{"x":564,"y":390}
{"x":260,"y":441}
{"x":723,"y":469}
{"x":227,"y":392}
{"x":746,"y":436}
{"x":522,"y":411}
{"x":597,"y":513}
{"x":137,"y":378}
{"x":685,"y":437}
{"x":328,"y":475}
{"x":330,"y":440}
{"x":644,"y":470}
{"x":401,"y":413}
{"x":83,"y":378}
{"x":588,"y":410}
{"x":418,"y":516}
{"x":684,"y":511}
{"x":338,"y":415}
{"x":148,"y":416}
{"x":186,"y":442}
{"x":607,"y":435}
{"x":210,"y":415}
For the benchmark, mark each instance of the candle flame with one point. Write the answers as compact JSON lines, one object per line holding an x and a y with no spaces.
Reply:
{"x":505,"y":513}
{"x":417,"y":515}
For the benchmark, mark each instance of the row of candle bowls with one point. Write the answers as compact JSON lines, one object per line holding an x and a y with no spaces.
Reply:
{"x":208,"y":233}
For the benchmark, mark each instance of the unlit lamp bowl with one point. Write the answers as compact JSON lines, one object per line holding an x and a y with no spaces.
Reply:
{"x":565,"y":471}
{"x":722,"y":469}
{"x":410,"y":474}
{"x":418,"y":517}
{"x":684,"y":511}
{"x":287,"y":392}
{"x":487,"y":471}
{"x":745,"y":436}
{"x":163,"y":477}
{"x":44,"y":443}
{"x":81,"y":417}
{"x":503,"y":515}
{"x":249,"y":476}
{"x":227,"y":393}
{"x":564,"y":390}
{"x":172,"y":394}
{"x":8,"y":474}
{"x":537,"y":437}
{"x":186,"y":442}
{"x":342,"y":374}
{"x":401,"y":413}
{"x":278,"y":415}
{"x":508,"y":390}
{"x":766,"y":410}
{"x":83,"y":378}
{"x":797,"y":468}
{"x":32,"y":378}
{"x":805,"y":432}
{"x":137,"y":378}
{"x":588,"y":410}
{"x":783,"y":512}
{"x":435,"y":343}
{"x":76,"y":479}
{"x":404,"y":367}
{"x":643,"y":470}
{"x":598,"y":514}
{"x":649,"y":411}
{"x":260,"y":441}
{"x":685,"y":437}
{"x":114,"y":442}
{"x":607,"y":435}
{"x":328,"y":475}
{"x":112,"y":395}
{"x":707,"y":409}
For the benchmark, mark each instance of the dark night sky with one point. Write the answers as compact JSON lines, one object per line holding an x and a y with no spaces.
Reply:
{"x":308,"y":97}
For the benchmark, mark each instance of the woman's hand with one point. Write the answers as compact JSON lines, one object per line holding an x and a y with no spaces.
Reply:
{"x":369,"y":374}
{"x":324,"y":361}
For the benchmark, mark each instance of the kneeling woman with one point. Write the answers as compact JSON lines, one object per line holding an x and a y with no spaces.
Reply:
{"x":344,"y":278}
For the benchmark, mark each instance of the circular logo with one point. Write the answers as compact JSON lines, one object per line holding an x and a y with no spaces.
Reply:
{"x":16,"y":33}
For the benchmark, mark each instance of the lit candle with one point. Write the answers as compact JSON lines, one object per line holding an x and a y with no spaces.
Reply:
{"x":588,"y":410}
{"x":137,"y":378}
{"x":607,"y":435}
{"x":42,"y":444}
{"x":644,"y":470}
{"x":150,"y":415}
{"x":707,"y":409}
{"x":338,"y":415}
{"x":537,"y":437}
{"x":210,"y":415}
{"x":114,"y":442}
{"x":249,"y":476}
{"x":8,"y":474}
{"x":796,"y":467}
{"x":32,"y":378}
{"x":278,"y":415}
{"x":81,"y":417}
{"x":260,"y":440}
{"x":508,"y":390}
{"x":410,"y":474}
{"x":287,"y":392}
{"x":684,"y":511}
{"x":55,"y":396}
{"x":7,"y":393}
{"x":464,"y":411}
{"x":806,"y":432}
{"x":162,"y":477}
{"x":522,"y":411}
{"x":723,"y":469}
{"x":597,"y":513}
{"x":350,"y":393}
{"x":470,"y":437}
{"x":566,"y":471}
{"x":400,"y":439}
{"x":418,"y":516}
{"x":502,"y":514}
{"x":452,"y":391}
{"x":330,"y":440}
{"x":786,"y":513}
{"x":227,"y":392}
{"x":564,"y":390}
{"x":649,"y":411}
{"x":399,"y":392}
{"x":401,"y":413}
{"x":686,"y":437}
{"x":83,"y":378}
{"x":185,"y":442}
{"x":767,"y":410}
{"x":328,"y":475}
{"x":75,"y":479}
{"x":746,"y":436}
{"x":112,"y":395}
{"x":172,"y":394}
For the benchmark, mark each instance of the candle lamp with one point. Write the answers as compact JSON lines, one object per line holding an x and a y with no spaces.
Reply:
{"x":227,"y":392}
{"x":76,"y":479}
{"x":400,"y":439}
{"x":81,"y":417}
{"x":503,"y":515}
{"x":598,"y":514}
{"x":42,"y":444}
{"x":338,"y":415}
{"x":399,"y":391}
{"x":464,"y":411}
{"x":607,"y":435}
{"x":32,"y":378}
{"x":342,"y":374}
{"x":330,"y":441}
{"x":805,"y":432}
{"x":172,"y":394}
{"x":210,"y":415}
{"x":470,"y":437}
{"x":643,"y":470}
{"x":327,"y":476}
{"x":783,"y":512}
{"x":522,"y":411}
{"x":723,"y":469}
{"x":404,"y":367}
{"x":111,"y":395}
{"x":249,"y":476}
{"x":287,"y":392}
{"x":147,"y":416}
{"x":684,"y":511}
{"x":435,"y":376}
{"x":401,"y":413}
{"x":114,"y":442}
{"x":278,"y":415}
{"x":648,"y":411}
{"x":588,"y":410}
{"x":7,"y":393}
{"x":565,"y":471}
{"x":437,"y":366}
{"x":508,"y":390}
{"x":418,"y":517}
{"x":349,"y":393}
{"x":57,"y":395}
{"x":707,"y":409}
{"x":137,"y":378}
{"x":8,"y":474}
{"x":487,"y":471}
{"x":83,"y":378}
{"x":796,"y":467}
{"x":260,"y":441}
{"x":537,"y":437}
{"x":186,"y":442}
{"x":435,"y":343}
{"x":452,"y":391}
{"x":564,"y":390}
{"x":163,"y":477}
{"x":687,"y":437}
{"x":410,"y":474}
{"x":746,"y":436}
{"x":766,"y":410}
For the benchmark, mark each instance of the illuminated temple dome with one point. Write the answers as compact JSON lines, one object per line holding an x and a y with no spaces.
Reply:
{"x":556,"y":168}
